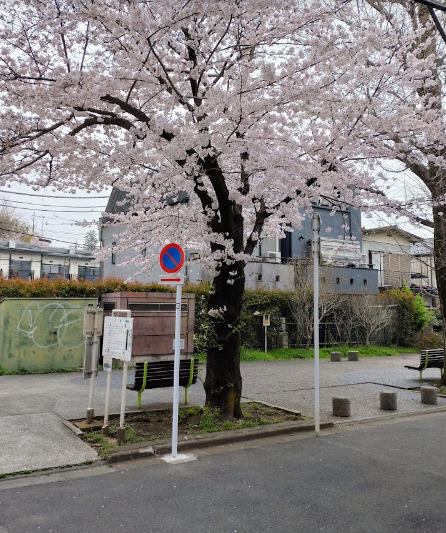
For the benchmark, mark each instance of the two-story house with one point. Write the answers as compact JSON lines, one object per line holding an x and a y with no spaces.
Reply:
{"x":274,"y":261}
{"x":388,"y":250}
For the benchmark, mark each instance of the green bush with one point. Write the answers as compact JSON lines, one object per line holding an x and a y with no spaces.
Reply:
{"x":411,"y":315}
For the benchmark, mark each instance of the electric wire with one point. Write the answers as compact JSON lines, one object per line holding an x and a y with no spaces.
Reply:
{"x":32,"y":235}
{"x":7,"y":201}
{"x":52,"y":196}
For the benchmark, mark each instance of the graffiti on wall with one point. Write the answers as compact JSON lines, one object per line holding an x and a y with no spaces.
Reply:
{"x":53,"y":324}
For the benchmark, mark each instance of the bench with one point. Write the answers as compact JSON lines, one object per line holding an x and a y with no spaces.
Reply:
{"x":159,"y":374}
{"x":429,"y":359}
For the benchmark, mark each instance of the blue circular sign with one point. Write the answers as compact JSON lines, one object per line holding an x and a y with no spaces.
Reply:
{"x":171,"y":258}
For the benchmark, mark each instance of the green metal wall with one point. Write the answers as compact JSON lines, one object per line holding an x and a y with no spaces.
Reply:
{"x":42,"y":333}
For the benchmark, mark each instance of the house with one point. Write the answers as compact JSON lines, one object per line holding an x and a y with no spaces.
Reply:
{"x":274,"y":261}
{"x":388,"y":250}
{"x":342,"y":269}
{"x":30,"y":261}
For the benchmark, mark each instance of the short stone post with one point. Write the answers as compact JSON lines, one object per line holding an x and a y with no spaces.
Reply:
{"x":341,"y":406}
{"x":335,"y":356}
{"x":387,"y":401}
{"x":353,"y":356}
{"x":120,"y":437}
{"x":429,"y":395}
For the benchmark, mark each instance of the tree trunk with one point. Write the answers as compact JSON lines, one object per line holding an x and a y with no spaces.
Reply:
{"x":439,"y":212}
{"x":223,"y":383}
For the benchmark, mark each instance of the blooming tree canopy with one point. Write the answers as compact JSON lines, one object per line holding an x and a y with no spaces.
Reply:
{"x":220,"y":119}
{"x":403,"y":91}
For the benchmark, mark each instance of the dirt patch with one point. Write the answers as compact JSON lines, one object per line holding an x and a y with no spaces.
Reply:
{"x":156,"y":426}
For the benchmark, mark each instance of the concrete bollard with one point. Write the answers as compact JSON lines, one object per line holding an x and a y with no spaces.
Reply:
{"x":120,"y":437}
{"x":335,"y":356}
{"x":429,"y":395}
{"x":341,"y":406}
{"x":353,"y":356}
{"x":387,"y":401}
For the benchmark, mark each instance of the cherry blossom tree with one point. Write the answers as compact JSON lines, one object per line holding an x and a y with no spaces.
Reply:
{"x":400,"y":94}
{"x":219,"y":120}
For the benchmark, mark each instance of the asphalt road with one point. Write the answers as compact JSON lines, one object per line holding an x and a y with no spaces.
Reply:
{"x":381,"y":476}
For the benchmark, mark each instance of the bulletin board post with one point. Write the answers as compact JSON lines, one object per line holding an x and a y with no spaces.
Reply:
{"x":118,"y":333}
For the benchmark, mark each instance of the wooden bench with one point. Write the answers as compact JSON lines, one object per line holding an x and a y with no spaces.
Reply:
{"x":429,"y":359}
{"x":159,"y":374}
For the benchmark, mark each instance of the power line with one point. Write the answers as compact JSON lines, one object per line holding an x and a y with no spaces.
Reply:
{"x":6,"y":201}
{"x":31,"y":235}
{"x":52,"y":196}
{"x":431,"y":6}
{"x":64,"y":211}
{"x":429,"y":3}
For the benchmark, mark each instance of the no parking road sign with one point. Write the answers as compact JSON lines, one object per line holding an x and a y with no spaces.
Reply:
{"x":171,"y":258}
{"x":171,"y":261}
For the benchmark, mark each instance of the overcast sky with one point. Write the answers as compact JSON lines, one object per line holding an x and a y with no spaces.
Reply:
{"x":55,"y":215}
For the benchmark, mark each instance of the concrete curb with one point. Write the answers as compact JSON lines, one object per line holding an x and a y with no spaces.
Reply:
{"x":390,"y":416}
{"x":148,"y":449}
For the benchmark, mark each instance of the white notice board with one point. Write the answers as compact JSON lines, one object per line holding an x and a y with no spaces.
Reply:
{"x":118,"y":334}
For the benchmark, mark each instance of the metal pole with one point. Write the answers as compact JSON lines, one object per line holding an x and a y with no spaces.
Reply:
{"x":123,"y":393}
{"x":92,"y":371}
{"x":93,"y":366}
{"x":105,"y":428}
{"x":266,"y":339}
{"x":315,"y":225}
{"x":176,"y":372}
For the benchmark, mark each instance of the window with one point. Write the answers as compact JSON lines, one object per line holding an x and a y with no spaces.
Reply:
{"x":89,"y":273}
{"x":52,"y":271}
{"x":113,"y":255}
{"x":20,"y":269}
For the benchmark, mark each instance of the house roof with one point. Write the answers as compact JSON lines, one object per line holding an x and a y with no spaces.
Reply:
{"x":392,"y":230}
{"x":45,"y":250}
{"x":426,"y":247}
{"x":121,"y":201}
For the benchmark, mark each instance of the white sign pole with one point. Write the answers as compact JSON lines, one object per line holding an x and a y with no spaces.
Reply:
{"x":90,"y":410}
{"x":94,"y":323}
{"x":105,"y":428}
{"x":315,"y":225}
{"x":123,"y":394}
{"x":176,"y":370}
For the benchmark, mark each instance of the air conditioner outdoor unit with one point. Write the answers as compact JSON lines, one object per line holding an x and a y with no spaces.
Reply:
{"x":275,"y":257}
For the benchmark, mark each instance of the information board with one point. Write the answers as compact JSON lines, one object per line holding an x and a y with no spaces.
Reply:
{"x":118,"y":335}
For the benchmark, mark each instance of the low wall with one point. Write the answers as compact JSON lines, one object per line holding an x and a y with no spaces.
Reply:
{"x":42,"y":333}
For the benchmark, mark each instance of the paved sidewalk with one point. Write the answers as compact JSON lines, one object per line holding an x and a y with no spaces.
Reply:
{"x":34,"y":408}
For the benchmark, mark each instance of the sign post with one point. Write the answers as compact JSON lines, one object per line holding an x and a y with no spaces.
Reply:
{"x":92,"y":332}
{"x":171,"y":261}
{"x":266,"y":323}
{"x":315,"y":226}
{"x":118,"y":335}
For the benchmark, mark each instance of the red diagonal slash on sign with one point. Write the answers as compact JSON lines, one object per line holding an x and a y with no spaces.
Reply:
{"x":171,"y":258}
{"x":173,"y":255}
